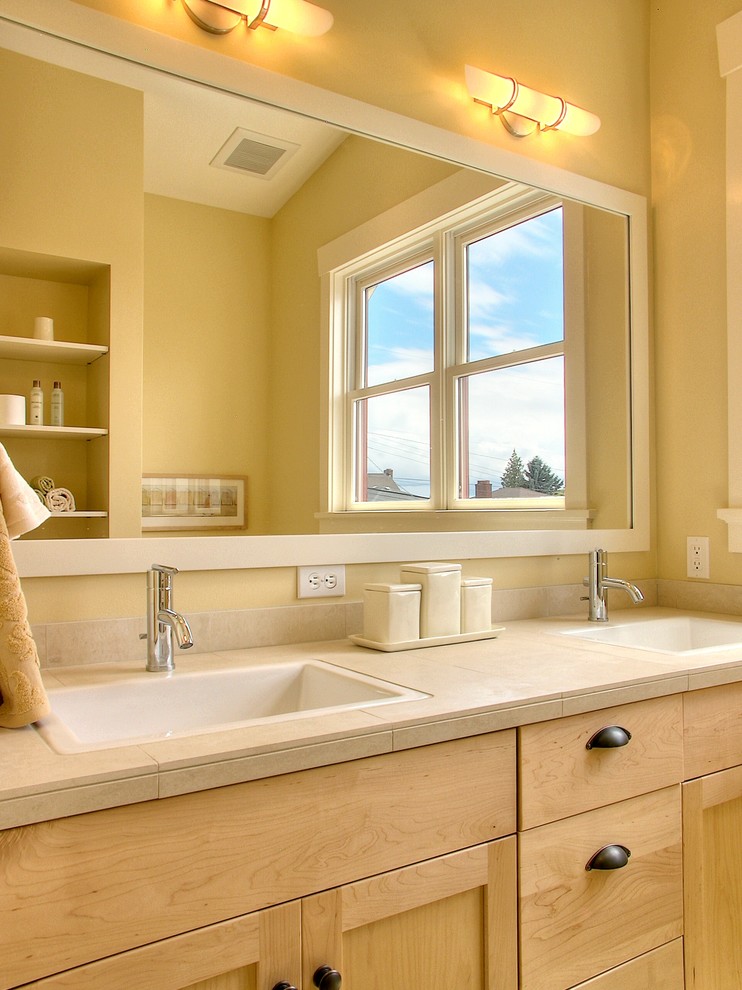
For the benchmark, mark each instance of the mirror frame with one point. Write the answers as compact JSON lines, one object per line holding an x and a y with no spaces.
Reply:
{"x":98,"y":32}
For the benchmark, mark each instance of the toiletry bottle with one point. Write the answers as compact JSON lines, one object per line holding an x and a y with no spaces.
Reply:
{"x":57,"y":405}
{"x":36,"y":405}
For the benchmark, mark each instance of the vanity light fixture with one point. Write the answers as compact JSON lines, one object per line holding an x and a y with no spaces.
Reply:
{"x":296,"y":16}
{"x":524,"y":110}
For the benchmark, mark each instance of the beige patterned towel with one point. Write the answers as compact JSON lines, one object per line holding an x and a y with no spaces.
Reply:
{"x":21,"y":506}
{"x":22,"y":695}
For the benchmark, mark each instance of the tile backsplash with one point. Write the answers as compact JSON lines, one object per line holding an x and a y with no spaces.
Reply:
{"x":111,"y":640}
{"x":65,"y":643}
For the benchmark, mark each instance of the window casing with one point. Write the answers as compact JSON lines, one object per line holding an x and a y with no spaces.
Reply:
{"x":441,"y":374}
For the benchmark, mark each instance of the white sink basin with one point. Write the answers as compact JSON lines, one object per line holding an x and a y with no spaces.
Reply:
{"x":670,"y":634}
{"x":148,"y":707}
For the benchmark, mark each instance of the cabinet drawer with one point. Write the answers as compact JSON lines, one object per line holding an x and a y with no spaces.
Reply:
{"x":712,"y":729}
{"x":661,"y":969}
{"x":560,"y":776}
{"x":575,"y":922}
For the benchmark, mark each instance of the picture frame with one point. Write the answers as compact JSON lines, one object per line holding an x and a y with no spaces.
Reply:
{"x":193,"y":502}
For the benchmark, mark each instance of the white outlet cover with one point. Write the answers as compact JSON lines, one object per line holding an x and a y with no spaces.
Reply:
{"x":698,"y":557}
{"x":325,"y":581}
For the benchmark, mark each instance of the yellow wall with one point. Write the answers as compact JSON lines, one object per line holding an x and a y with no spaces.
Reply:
{"x":206,"y":342}
{"x":70,"y":186}
{"x":688,"y":147}
{"x":326,"y":207}
{"x":408,"y":56}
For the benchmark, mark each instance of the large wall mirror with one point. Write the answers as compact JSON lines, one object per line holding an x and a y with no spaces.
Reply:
{"x":250,"y":202}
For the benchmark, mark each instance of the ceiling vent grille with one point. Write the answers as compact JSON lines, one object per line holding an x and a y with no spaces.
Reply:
{"x":254,"y":154}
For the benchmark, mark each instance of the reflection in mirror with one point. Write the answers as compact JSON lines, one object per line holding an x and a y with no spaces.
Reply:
{"x":235,"y":328}
{"x":487,"y":363}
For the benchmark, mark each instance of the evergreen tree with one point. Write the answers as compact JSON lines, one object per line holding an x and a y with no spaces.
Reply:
{"x":513,"y":476}
{"x":539,"y":477}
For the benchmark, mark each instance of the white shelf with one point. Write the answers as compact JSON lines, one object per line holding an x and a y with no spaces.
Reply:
{"x":51,"y":432}
{"x":53,"y":351}
{"x":84,"y":513}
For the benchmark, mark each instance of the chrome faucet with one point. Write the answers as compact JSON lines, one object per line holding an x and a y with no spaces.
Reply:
{"x":163,"y":623}
{"x":598,"y":582}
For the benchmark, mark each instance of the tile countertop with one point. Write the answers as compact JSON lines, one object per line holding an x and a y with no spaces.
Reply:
{"x":529,"y":673}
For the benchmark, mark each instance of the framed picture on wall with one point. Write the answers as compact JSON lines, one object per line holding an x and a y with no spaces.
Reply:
{"x":190,"y":501}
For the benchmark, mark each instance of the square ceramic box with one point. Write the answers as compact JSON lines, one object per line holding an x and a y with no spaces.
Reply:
{"x":440,"y":601}
{"x":391,"y":613}
{"x":476,"y":605}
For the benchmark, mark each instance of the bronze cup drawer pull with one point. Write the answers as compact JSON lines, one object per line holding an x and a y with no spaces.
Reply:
{"x":327,"y":978}
{"x":612,"y":857}
{"x":609,"y":737}
{"x":284,"y":985}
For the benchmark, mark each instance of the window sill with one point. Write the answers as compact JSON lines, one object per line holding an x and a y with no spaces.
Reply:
{"x":452,"y":520}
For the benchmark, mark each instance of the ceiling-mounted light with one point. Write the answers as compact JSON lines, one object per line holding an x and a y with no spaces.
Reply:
{"x":296,"y":16}
{"x":522,"y":109}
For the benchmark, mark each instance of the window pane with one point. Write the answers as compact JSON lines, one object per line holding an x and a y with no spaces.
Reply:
{"x":509,"y":410}
{"x":514,"y":288}
{"x":399,"y":326}
{"x":393,"y":447}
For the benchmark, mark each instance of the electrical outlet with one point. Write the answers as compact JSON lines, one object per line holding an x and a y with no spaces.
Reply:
{"x":698,"y":557}
{"x":320,"y":582}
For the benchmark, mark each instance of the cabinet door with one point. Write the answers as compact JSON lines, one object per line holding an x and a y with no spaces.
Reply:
{"x":254,"y":952}
{"x":712,"y":826}
{"x":446,"y":922}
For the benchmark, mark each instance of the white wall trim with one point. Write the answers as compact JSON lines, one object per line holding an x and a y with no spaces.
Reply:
{"x":729,"y":40}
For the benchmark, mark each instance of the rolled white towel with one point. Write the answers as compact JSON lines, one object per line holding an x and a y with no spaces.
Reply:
{"x":60,"y":500}
{"x":43,"y":482}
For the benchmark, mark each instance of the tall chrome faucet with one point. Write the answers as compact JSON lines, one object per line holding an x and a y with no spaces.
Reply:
{"x":163,"y":623}
{"x":598,"y":582}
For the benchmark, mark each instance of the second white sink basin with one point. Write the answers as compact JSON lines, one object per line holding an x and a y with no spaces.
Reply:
{"x":669,"y":634}
{"x":148,"y":707}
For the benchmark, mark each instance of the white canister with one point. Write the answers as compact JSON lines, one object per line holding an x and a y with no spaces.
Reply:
{"x":43,"y":328}
{"x":13,"y":410}
{"x":440,"y":602}
{"x":476,"y":604}
{"x":391,"y":613}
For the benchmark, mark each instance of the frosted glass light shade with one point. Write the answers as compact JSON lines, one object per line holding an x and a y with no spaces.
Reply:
{"x":506,"y":96}
{"x":299,"y":17}
{"x":296,"y":16}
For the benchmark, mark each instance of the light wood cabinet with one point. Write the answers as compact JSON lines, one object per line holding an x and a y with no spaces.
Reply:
{"x":96,"y":885}
{"x":576,"y":922}
{"x":661,"y":969}
{"x":565,"y":769}
{"x":712,"y":826}
{"x":405,"y":869}
{"x":448,"y":922}
{"x":254,"y":951}
{"x":606,"y":780}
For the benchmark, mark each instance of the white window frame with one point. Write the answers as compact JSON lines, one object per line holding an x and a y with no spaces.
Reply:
{"x":374,"y":251}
